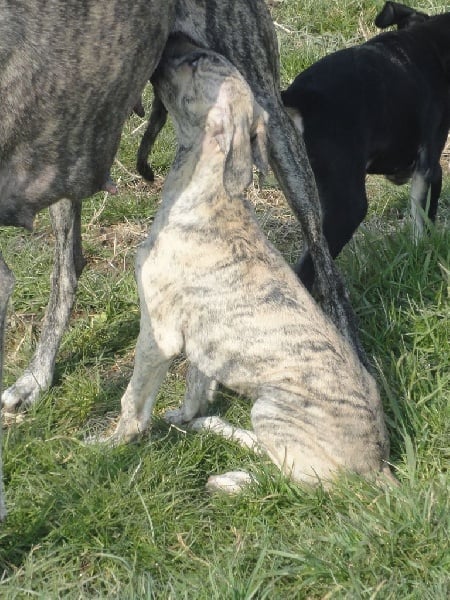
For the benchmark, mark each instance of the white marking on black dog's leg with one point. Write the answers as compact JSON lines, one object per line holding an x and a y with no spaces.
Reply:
{"x":6,"y":288}
{"x":67,"y":267}
{"x":420,"y":191}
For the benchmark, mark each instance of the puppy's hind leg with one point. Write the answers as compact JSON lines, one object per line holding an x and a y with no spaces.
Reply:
{"x":200,"y":391}
{"x":67,"y":268}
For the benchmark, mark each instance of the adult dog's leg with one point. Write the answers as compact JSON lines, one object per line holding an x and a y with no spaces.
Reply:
{"x":6,"y":288}
{"x":68,"y":264}
{"x":344,"y":206}
{"x":291,"y":166}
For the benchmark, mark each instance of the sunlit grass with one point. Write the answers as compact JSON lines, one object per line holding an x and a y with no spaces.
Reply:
{"x":87,"y":521}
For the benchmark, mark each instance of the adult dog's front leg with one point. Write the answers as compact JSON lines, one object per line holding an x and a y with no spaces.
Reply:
{"x":68,"y":265}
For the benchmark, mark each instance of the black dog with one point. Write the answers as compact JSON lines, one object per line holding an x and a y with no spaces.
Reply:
{"x":381,"y":107}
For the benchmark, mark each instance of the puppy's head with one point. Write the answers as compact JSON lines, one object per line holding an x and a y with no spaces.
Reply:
{"x":209,"y":101}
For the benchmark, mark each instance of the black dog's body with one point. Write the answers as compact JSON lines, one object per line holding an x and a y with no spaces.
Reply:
{"x":381,"y":107}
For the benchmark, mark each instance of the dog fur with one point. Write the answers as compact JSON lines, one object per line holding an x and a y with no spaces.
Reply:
{"x":212,"y":286}
{"x":381,"y":107}
{"x":243,"y":31}
{"x":70,"y":73}
{"x":394,"y":13}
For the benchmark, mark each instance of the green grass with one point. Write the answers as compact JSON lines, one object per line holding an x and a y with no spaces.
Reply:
{"x":87,"y":521}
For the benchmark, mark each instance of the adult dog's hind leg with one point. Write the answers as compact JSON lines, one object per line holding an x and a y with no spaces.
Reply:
{"x":67,"y":267}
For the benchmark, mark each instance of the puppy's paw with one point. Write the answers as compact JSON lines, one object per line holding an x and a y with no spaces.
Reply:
{"x":176,"y":417}
{"x":217,"y":425}
{"x":231,"y":482}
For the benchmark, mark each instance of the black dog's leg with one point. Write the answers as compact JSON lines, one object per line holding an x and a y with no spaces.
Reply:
{"x":68,"y":265}
{"x":344,"y":208}
{"x":291,"y":166}
{"x":426,"y":185}
{"x":156,"y":122}
{"x":6,"y":288}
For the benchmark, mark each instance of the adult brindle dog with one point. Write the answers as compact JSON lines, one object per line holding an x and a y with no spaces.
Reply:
{"x":70,"y":73}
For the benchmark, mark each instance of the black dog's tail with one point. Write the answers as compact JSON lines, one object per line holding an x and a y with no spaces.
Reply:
{"x":156,"y":122}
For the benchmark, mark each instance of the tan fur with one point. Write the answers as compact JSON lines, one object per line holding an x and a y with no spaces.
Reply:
{"x":211,"y":285}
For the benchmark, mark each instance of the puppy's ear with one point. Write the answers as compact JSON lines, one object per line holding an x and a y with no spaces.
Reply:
{"x":242,"y":138}
{"x":238,"y":172}
{"x":243,"y":141}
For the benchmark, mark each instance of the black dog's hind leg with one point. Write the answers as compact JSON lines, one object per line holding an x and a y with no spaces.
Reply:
{"x":426,"y":185}
{"x":435,"y":192}
{"x":156,"y":122}
{"x":67,"y":268}
{"x":344,"y":206}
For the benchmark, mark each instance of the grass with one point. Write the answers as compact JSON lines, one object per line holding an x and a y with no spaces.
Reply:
{"x":136,"y":522}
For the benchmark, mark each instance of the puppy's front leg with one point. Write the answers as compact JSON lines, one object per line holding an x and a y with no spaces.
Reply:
{"x":150,"y":368}
{"x":200,"y":390}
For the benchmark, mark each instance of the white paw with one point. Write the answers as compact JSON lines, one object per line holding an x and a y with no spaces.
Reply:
{"x":231,"y":482}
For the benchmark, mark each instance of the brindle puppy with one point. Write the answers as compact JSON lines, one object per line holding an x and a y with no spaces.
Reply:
{"x":211,"y":285}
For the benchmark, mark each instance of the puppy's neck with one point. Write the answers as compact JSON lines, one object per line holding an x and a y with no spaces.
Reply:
{"x":197,"y":171}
